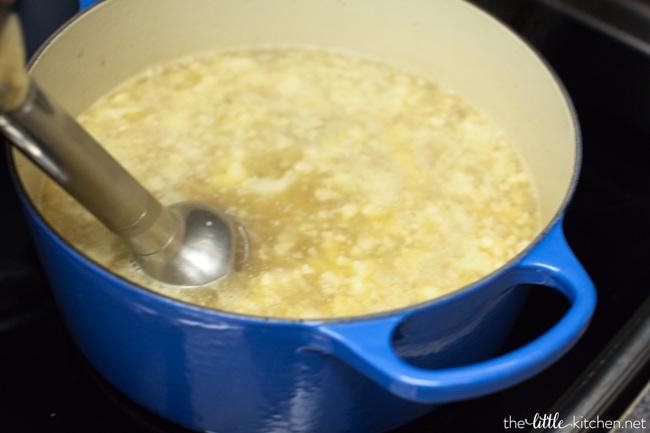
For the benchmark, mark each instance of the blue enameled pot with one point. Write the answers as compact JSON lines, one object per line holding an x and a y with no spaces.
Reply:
{"x":220,"y":372}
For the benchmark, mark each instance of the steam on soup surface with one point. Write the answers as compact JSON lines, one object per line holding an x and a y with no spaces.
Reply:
{"x":363,"y":188}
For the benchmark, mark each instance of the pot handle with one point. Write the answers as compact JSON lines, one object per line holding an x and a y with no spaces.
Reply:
{"x":366,"y":344}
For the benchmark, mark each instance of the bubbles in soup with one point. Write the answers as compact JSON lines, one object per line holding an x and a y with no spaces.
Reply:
{"x":363,"y":188}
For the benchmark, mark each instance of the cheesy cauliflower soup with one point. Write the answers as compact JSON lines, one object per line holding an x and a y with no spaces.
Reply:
{"x":363,"y":188}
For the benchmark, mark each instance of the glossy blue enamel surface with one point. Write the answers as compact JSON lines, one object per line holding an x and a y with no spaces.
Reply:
{"x":550,"y":264}
{"x":210,"y":371}
{"x":218,"y":372}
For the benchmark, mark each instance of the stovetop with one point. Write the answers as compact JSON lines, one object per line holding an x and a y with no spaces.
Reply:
{"x":47,"y":386}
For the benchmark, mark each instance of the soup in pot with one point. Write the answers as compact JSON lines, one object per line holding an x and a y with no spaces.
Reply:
{"x":363,"y":188}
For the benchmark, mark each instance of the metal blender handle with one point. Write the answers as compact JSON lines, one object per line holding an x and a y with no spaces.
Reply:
{"x":54,"y":141}
{"x":185,"y":244}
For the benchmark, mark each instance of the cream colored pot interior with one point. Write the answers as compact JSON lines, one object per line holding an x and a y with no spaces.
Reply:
{"x":448,"y":41}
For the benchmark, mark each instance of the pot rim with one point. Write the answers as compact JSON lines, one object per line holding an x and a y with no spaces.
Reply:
{"x":152,"y":294}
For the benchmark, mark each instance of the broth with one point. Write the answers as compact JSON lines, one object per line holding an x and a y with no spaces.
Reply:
{"x":363,"y":188}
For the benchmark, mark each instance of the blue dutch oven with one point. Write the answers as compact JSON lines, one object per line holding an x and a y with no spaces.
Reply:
{"x":221,"y":372}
